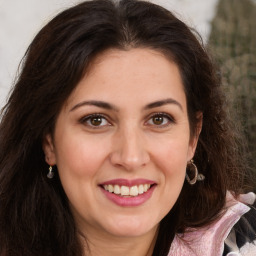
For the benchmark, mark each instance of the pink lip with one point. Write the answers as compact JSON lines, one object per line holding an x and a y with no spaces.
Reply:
{"x":128,"y":183}
{"x":128,"y":201}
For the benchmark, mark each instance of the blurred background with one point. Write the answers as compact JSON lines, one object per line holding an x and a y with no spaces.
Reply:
{"x":228,"y":28}
{"x":232,"y":41}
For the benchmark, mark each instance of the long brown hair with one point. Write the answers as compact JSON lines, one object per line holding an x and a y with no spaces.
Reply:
{"x":35,"y":218}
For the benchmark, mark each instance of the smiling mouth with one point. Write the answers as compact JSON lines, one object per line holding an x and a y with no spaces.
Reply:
{"x":126,"y":191}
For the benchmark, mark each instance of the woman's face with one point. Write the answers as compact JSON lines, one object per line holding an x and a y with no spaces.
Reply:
{"x":122,"y":143}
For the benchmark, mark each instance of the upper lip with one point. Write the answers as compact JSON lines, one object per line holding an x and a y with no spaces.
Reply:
{"x":128,"y":183}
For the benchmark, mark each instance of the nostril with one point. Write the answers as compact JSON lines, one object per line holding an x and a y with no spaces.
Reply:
{"x":129,"y":161}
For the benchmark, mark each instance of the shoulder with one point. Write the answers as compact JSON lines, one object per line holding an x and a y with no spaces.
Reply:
{"x":242,"y":237}
{"x":212,"y":240}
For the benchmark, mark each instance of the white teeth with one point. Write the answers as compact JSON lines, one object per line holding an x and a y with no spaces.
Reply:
{"x":145,"y":187}
{"x":134,"y":191}
{"x":110,"y":188}
{"x":141,"y":189}
{"x":117,"y":190}
{"x":127,"y":191}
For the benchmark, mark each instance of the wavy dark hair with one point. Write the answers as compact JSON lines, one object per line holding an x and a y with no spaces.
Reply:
{"x":35,"y":218}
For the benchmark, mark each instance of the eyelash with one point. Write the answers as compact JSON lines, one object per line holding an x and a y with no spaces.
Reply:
{"x":170,"y":119}
{"x":88,"y":118}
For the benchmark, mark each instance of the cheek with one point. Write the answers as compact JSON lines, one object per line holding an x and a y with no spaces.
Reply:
{"x":172,"y":161}
{"x":173,"y":165}
{"x":79,"y":156}
{"x":173,"y":156}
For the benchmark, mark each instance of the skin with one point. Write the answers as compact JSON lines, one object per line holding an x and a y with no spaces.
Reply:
{"x":132,"y":140}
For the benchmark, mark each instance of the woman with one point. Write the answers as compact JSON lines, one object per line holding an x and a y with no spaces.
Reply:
{"x":115,"y":111}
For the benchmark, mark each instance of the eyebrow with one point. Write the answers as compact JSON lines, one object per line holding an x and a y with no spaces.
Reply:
{"x":105,"y":105}
{"x":162,"y":103}
{"x":100,"y":104}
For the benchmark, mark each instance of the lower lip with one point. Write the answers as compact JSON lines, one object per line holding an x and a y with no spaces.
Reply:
{"x":129,"y":201}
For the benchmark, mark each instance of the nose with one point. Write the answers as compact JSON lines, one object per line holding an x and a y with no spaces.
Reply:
{"x":129,"y":149}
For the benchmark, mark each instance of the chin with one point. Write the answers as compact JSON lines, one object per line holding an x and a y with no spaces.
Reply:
{"x":132,"y":227}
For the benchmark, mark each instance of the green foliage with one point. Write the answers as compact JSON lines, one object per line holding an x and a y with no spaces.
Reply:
{"x":233,"y":42}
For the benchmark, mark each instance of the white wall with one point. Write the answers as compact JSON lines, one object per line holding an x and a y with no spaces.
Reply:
{"x":20,"y":20}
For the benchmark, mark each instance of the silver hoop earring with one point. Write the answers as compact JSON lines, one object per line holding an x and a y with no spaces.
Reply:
{"x":197,"y":176}
{"x":50,"y":173}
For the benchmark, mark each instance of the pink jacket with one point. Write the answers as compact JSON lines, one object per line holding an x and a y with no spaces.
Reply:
{"x":209,"y":241}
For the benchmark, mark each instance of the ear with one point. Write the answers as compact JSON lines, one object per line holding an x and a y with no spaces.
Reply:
{"x":194,"y":138}
{"x":48,"y":148}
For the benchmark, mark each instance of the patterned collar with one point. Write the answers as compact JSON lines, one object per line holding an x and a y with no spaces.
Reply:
{"x":209,"y":240}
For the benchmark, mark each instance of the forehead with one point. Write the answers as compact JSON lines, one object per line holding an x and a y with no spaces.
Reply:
{"x":137,"y":74}
{"x":139,"y":57}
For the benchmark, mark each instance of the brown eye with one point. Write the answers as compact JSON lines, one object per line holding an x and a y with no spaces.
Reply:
{"x":158,"y":120}
{"x":96,"y":121}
